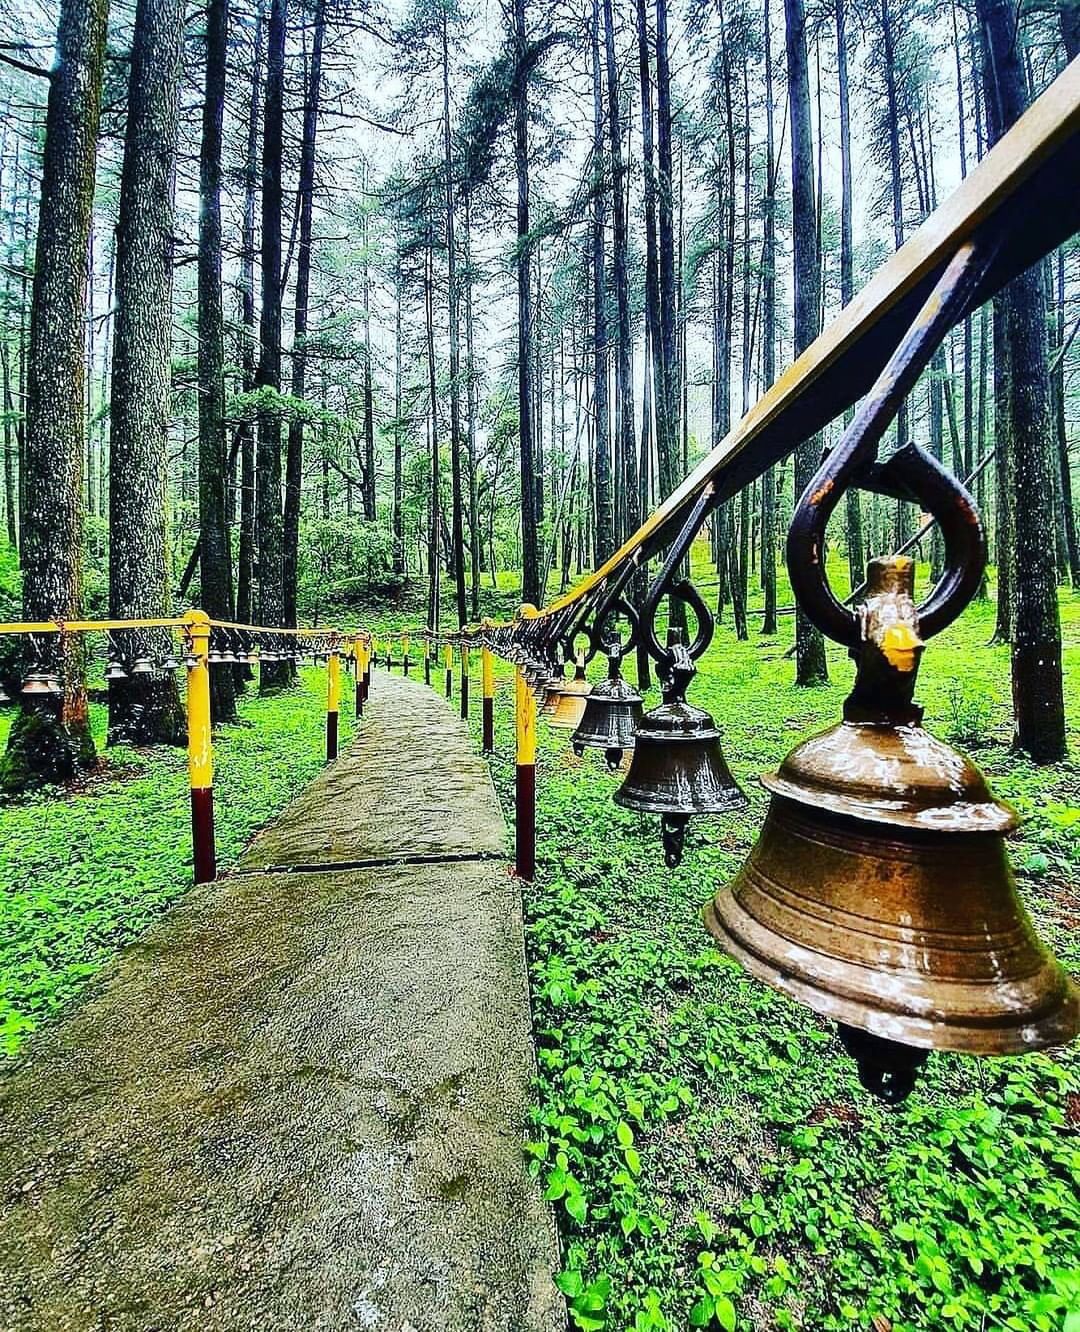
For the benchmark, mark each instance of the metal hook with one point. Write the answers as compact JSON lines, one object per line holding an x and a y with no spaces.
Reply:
{"x":909,"y":473}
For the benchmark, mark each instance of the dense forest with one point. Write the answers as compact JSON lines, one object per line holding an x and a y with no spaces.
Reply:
{"x":306,"y":301}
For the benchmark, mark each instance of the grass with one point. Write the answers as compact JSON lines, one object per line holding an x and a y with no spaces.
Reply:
{"x":711,"y":1157}
{"x":84,"y":871}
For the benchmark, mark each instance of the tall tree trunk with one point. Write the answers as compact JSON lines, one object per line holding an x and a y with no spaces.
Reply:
{"x":434,"y":499}
{"x":215,"y":558}
{"x":268,"y":514}
{"x":531,"y":591}
{"x":457,"y":516}
{"x":470,"y":429}
{"x":624,"y":386}
{"x":49,"y":739}
{"x":853,"y":500}
{"x":294,"y":457}
{"x":397,"y":520}
{"x":11,"y":449}
{"x":1038,"y":702}
{"x":245,"y":576}
{"x":144,"y":709}
{"x":1072,"y":546}
{"x":605,"y":514}
{"x":896,"y":185}
{"x":657,"y":388}
{"x":667,"y":386}
{"x":811,"y":666}
{"x":768,"y":339}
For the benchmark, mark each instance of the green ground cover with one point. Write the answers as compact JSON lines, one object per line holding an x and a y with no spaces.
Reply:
{"x":711,"y":1156}
{"x":84,"y":871}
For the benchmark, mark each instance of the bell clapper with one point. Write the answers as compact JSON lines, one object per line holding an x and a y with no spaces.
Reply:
{"x":887,"y":1069}
{"x":673,"y":832}
{"x":613,"y":757}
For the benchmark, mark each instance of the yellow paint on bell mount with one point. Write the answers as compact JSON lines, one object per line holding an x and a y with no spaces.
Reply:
{"x":900,"y":646}
{"x":448,"y":656}
{"x":464,"y":658}
{"x":487,"y":671}
{"x":524,"y":720}
{"x":200,"y":742}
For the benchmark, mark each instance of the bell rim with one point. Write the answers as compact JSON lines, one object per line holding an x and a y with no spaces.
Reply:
{"x":645,"y":806}
{"x":1052,"y":1027}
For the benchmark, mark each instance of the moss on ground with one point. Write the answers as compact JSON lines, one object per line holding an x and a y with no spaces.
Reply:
{"x":85,"y":869}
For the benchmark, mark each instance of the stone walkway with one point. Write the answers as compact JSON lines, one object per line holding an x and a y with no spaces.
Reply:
{"x":298,"y":1102}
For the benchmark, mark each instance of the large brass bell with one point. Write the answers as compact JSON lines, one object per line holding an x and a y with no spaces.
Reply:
{"x":565,"y":704}
{"x":678,"y":768}
{"x":879,"y":892}
{"x":611,"y":716}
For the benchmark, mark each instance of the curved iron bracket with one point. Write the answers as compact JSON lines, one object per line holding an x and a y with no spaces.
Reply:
{"x":908,"y":473}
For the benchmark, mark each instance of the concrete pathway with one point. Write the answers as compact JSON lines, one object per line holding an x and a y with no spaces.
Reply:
{"x":298,"y":1102}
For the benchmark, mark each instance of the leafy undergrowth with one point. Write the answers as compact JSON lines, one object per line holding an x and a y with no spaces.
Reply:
{"x":711,"y":1156}
{"x":85,"y":870}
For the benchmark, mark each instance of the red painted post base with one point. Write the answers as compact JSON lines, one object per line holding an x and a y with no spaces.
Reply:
{"x":449,"y":684}
{"x":525,"y":822}
{"x":367,"y":683}
{"x":359,"y":701}
{"x":427,"y":672}
{"x":331,"y":736}
{"x":488,"y":724}
{"x":464,"y":698}
{"x":202,"y":833}
{"x":405,"y":665}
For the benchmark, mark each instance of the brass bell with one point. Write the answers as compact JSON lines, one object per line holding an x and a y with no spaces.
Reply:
{"x":678,"y":768}
{"x":142,"y":666}
{"x":114,"y":669}
{"x":611,"y":716}
{"x":566,"y":702}
{"x":42,"y":684}
{"x":879,"y":891}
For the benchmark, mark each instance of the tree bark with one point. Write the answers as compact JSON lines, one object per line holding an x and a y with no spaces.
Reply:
{"x":768,"y":339}
{"x":605,"y":514}
{"x":811,"y":667}
{"x":49,"y":740}
{"x":294,"y":456}
{"x":1038,"y":702}
{"x":457,"y":517}
{"x":531,"y":591}
{"x":268,"y":513}
{"x":667,"y":406}
{"x":144,"y":709}
{"x":215,"y":557}
{"x":853,"y":500}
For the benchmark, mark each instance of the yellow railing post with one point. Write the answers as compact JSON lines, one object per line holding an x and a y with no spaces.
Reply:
{"x":487,"y":682}
{"x":464,"y":680}
{"x":358,"y":668}
{"x":333,"y":702}
{"x":405,"y":654}
{"x":448,"y":662}
{"x":369,"y":648}
{"x":427,"y":661}
{"x":200,"y":748}
{"x":525,"y":805}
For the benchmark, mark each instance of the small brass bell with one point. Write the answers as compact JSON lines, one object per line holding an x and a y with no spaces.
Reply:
{"x":879,"y":891}
{"x":611,"y":716}
{"x":142,"y":666}
{"x":678,"y":768}
{"x":42,"y":684}
{"x":114,"y":669}
{"x":566,"y":702}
